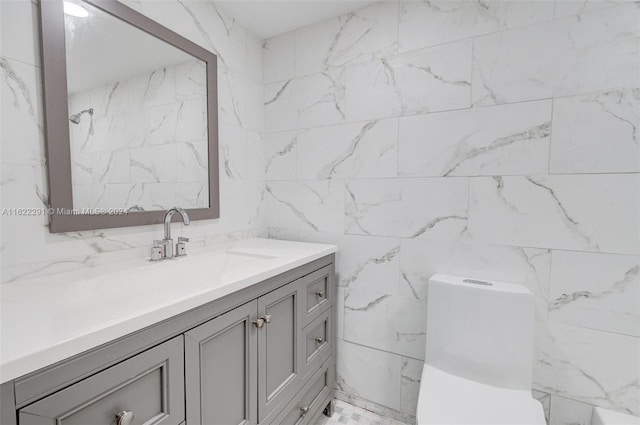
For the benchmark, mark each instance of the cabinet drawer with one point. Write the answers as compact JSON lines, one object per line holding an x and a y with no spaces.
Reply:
{"x":151,"y":385}
{"x":318,"y":344}
{"x":313,"y":397}
{"x":318,"y":293}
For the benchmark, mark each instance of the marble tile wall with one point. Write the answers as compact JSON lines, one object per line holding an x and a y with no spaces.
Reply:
{"x":492,"y":139}
{"x":27,"y":248}
{"x":145,"y":146}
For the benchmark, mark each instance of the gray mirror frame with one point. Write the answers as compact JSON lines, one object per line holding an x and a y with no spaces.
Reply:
{"x":56,"y":114}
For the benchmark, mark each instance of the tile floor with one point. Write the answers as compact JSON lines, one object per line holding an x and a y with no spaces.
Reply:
{"x":346,"y":414}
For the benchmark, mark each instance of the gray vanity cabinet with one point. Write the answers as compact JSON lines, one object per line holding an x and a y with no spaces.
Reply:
{"x":242,"y":365}
{"x":150,"y":386}
{"x":220,"y":369}
{"x":263,"y":355}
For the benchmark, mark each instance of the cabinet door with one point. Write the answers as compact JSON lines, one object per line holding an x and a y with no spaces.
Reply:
{"x":280,"y":340}
{"x":220,"y":365}
{"x":149,"y":385}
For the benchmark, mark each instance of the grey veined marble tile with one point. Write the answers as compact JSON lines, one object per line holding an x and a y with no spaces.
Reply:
{"x":392,"y":323}
{"x":597,"y":291}
{"x":309,"y":101}
{"x":358,"y":36}
{"x":428,"y":80}
{"x":596,"y":133}
{"x":591,"y":366}
{"x":369,"y":373}
{"x":409,"y":208}
{"x":424,"y":24}
{"x":498,"y":140}
{"x":22,"y":117}
{"x":279,"y":58}
{"x":369,"y":262}
{"x":596,"y":213}
{"x":556,"y":58}
{"x":360,"y":150}
{"x":306,"y":205}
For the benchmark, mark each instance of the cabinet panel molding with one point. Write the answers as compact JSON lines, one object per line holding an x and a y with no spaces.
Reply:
{"x":280,"y":361}
{"x":151,"y":385}
{"x":221,"y":369}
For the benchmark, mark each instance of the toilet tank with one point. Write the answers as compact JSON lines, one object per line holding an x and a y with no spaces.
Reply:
{"x":481,"y":330}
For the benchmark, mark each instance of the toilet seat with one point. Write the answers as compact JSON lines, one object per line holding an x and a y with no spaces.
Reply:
{"x":450,"y":399}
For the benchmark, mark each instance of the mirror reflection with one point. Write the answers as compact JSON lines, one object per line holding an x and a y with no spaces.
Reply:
{"x":137,"y":116}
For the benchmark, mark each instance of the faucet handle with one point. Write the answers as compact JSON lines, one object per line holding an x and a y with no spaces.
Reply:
{"x":166,"y":248}
{"x":157,"y":251}
{"x":181,"y":246}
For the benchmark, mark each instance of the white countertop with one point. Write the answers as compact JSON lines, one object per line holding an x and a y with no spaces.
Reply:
{"x":46,"y":320}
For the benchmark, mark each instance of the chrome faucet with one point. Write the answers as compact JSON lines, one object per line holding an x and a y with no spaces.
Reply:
{"x":164,"y":249}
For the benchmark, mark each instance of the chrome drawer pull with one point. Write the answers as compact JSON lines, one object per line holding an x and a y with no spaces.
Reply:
{"x":304,"y":410}
{"x":259,"y":323}
{"x":320,"y":294}
{"x":124,"y":418}
{"x":319,"y":339}
{"x":266,"y":318}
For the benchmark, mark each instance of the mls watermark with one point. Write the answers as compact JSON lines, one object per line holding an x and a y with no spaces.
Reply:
{"x":62,"y":211}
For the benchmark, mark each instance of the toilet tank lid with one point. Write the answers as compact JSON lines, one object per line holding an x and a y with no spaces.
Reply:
{"x":478,"y":283}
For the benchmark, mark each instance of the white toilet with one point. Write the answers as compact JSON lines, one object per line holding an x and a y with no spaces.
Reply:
{"x":478,"y":362}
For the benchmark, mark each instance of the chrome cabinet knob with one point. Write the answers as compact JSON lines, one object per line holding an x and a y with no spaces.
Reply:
{"x":266,"y":318}
{"x":259,"y":323}
{"x":320,"y":294}
{"x":319,"y":339}
{"x":304,"y":410}
{"x":124,"y":418}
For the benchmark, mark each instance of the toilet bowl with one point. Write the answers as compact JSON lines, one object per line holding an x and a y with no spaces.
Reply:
{"x":478,"y":359}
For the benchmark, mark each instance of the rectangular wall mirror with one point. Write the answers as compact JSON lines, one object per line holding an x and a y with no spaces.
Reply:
{"x":131,"y":118}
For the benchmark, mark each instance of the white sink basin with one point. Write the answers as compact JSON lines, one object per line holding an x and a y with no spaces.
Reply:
{"x":222,"y":262}
{"x":132,"y":291}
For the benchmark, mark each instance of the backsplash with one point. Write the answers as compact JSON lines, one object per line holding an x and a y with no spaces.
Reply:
{"x":28,"y":249}
{"x":492,"y":139}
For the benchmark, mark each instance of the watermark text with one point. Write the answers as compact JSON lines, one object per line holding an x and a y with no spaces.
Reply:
{"x":62,"y":211}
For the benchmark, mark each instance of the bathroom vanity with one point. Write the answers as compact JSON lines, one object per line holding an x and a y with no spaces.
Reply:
{"x":239,"y":335}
